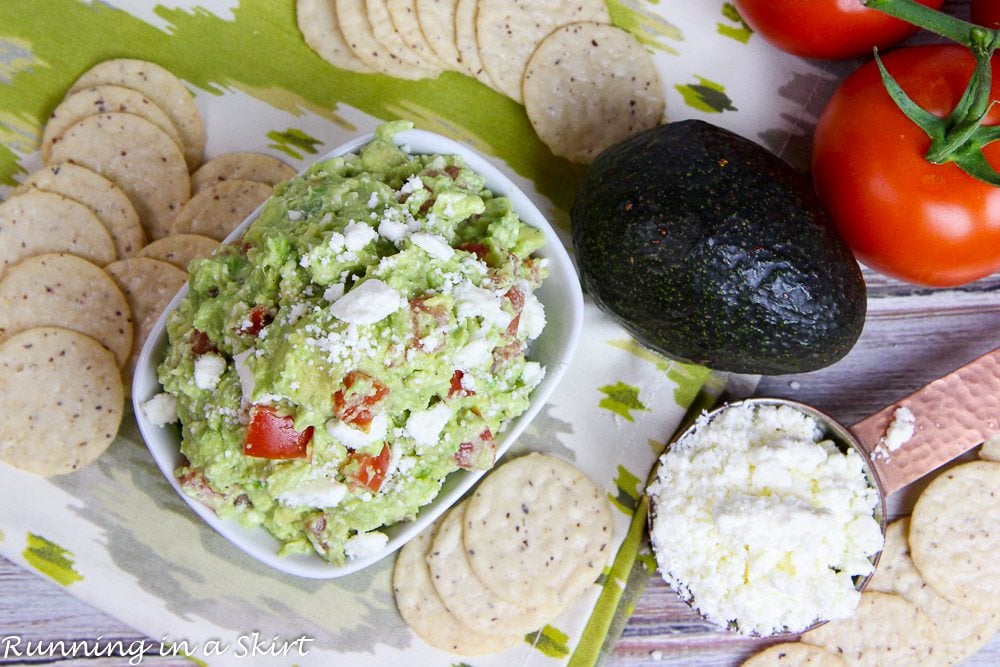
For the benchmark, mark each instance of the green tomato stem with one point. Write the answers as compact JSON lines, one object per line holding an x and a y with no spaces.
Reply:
{"x":923,"y":16}
{"x":960,"y":137}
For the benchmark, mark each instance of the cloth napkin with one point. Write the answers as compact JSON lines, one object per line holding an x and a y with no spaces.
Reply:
{"x":117,"y":536}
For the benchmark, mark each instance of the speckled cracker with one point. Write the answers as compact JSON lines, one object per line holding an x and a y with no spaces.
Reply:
{"x":352,"y":15}
{"x":245,"y":166}
{"x":404,"y":18}
{"x":103,"y":197}
{"x":219,"y":209}
{"x":62,"y":399}
{"x":317,"y":21}
{"x":538,"y":531}
{"x":465,"y":41}
{"x":465,"y":596}
{"x":437,"y":22}
{"x":180,"y":249}
{"x":62,"y":290}
{"x":36,"y":222}
{"x":102,"y":99}
{"x":384,"y":29}
{"x":588,"y":86}
{"x":509,"y":31}
{"x":955,"y":535}
{"x":137,"y":157}
{"x":962,"y":631}
{"x":795,"y":654}
{"x":421,"y":607}
{"x":161,"y":86}
{"x":148,"y":285}
{"x":886,"y":630}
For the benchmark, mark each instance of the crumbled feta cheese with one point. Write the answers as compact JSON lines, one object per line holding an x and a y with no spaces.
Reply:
{"x":364,"y":545}
{"x":334,"y":292}
{"x":244,"y":373}
{"x":355,"y":438}
{"x":392,"y":230}
{"x":373,"y":200}
{"x":357,"y":235}
{"x":323,"y":492}
{"x":367,"y":303}
{"x":532,"y":374}
{"x":433,"y":244}
{"x":425,"y":426}
{"x":412,"y":184}
{"x":208,"y":369}
{"x":761,"y":522}
{"x":476,"y":354}
{"x":532,"y":320}
{"x":898,"y":433}
{"x":295,"y":216}
{"x":473,"y":301}
{"x":161,"y":409}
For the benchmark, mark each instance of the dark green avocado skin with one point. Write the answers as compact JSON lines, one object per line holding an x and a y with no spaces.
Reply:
{"x":710,"y":249}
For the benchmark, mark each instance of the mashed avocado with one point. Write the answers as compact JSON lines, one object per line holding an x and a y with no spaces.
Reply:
{"x":364,"y":338}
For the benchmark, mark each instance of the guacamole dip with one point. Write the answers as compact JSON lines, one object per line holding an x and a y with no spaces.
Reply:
{"x":364,"y":338}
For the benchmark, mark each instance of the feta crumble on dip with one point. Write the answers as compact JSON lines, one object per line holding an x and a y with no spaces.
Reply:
{"x":366,"y":337}
{"x":762,"y":522}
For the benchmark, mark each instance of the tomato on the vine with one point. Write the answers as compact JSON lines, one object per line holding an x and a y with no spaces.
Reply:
{"x":930,"y":224}
{"x":986,"y":13}
{"x":829,"y":29}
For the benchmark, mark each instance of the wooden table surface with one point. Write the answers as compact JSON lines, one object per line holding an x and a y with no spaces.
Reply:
{"x":912,"y":336}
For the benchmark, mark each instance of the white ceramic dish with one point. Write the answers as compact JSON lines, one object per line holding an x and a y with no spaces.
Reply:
{"x":563,"y":301}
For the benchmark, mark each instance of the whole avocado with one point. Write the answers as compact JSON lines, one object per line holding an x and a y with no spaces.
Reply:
{"x":710,"y":249}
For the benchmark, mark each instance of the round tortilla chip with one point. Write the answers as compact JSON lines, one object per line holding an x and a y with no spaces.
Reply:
{"x":421,"y":607}
{"x":218,"y":209}
{"x":62,"y":398}
{"x":161,"y":86}
{"x":403,"y":14}
{"x":436,"y":19}
{"x":62,"y":290}
{"x":589,"y":86}
{"x":464,"y":594}
{"x":136,"y":156}
{"x":102,"y":99}
{"x":538,"y":531}
{"x":352,"y":15}
{"x":886,"y":630}
{"x":384,"y":29}
{"x":317,"y":21}
{"x":795,"y":654}
{"x":955,"y":535}
{"x":990,"y":451}
{"x":245,"y":166}
{"x":509,"y":31}
{"x":36,"y":222}
{"x":102,"y":196}
{"x":466,"y":43}
{"x":962,"y":631}
{"x":180,"y":249}
{"x":148,"y":285}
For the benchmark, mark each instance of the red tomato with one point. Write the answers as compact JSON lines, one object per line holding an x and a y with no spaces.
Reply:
{"x":273,"y":436}
{"x":829,"y":29}
{"x":365,"y":470}
{"x":930,"y":224}
{"x":357,"y":402}
{"x":479,"y":453}
{"x":987,"y":13}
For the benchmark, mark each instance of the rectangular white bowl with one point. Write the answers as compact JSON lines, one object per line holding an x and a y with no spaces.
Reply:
{"x":563,"y":301}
